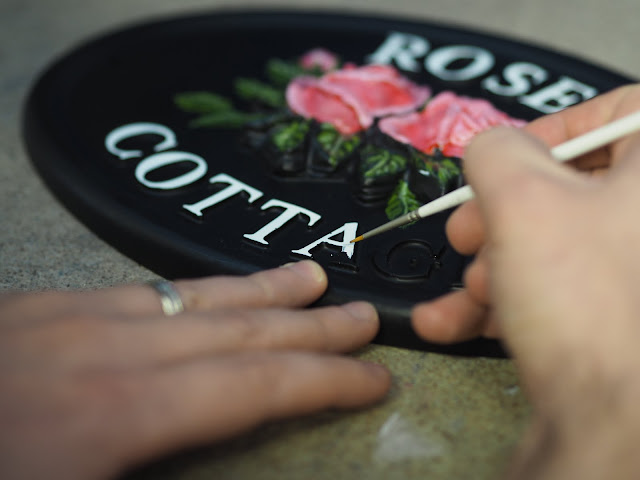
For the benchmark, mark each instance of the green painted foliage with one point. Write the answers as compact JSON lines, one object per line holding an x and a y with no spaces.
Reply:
{"x":401,"y":201}
{"x":443,"y":170}
{"x":378,"y":162}
{"x":228,"y":119}
{"x":281,"y":72}
{"x":291,"y":136}
{"x":202,"y":102}
{"x":448,"y":171}
{"x":337,"y":146}
{"x":254,"y":90}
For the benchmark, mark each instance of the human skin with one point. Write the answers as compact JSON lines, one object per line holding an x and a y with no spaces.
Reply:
{"x":556,"y":276}
{"x":94,"y":383}
{"x":468,"y":313}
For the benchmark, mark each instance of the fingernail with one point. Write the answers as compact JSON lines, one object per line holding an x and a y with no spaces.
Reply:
{"x":308,"y":268}
{"x":362,"y":311}
{"x":379,"y":371}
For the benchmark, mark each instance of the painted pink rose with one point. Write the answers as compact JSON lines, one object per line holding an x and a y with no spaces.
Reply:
{"x":319,"y":58}
{"x":351,"y":98}
{"x":448,"y":123}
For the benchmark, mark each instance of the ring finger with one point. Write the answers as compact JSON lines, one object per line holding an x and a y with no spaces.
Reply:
{"x":293,"y":285}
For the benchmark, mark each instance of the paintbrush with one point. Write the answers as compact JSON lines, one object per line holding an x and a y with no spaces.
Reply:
{"x":565,"y":151}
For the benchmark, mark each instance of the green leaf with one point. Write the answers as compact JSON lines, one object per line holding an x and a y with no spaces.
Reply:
{"x":255,"y":90}
{"x":424,"y":163}
{"x":228,"y":119}
{"x":337,"y":146}
{"x":378,"y":162}
{"x":401,"y":201}
{"x":202,"y":102}
{"x":281,"y":72}
{"x":448,"y":171}
{"x":290,"y":136}
{"x":443,"y":170}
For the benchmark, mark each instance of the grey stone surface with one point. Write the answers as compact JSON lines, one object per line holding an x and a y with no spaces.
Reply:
{"x":447,"y":418}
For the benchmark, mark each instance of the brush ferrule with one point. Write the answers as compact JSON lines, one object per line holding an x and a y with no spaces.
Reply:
{"x":413,"y":216}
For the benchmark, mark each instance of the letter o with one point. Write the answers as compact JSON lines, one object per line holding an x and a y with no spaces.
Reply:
{"x":163,"y":159}
{"x":438,"y":62}
{"x":136,"y":129}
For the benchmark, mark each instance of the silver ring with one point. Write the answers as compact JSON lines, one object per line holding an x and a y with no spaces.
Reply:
{"x":169,"y":297}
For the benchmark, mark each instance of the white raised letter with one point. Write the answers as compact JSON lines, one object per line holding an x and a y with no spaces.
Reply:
{"x":290,"y":211}
{"x":348,"y":230}
{"x":520,"y":76}
{"x":135,"y":129}
{"x":439,"y":61}
{"x":403,"y":48}
{"x":235,"y":187}
{"x":558,"y":96}
{"x":163,"y":159}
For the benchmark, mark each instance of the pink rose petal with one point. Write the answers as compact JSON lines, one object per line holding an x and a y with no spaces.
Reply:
{"x":380,"y":89}
{"x":448,"y":123}
{"x":352,"y":97}
{"x":308,"y":97}
{"x":320,"y":58}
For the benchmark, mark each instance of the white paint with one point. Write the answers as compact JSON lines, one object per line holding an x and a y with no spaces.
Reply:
{"x":558,"y":96}
{"x":290,"y":212}
{"x":439,"y":62}
{"x":136,"y":129}
{"x":517,"y":79}
{"x":234,"y":187}
{"x":348,"y":231}
{"x":523,"y":80}
{"x":403,"y":49}
{"x":163,"y":159}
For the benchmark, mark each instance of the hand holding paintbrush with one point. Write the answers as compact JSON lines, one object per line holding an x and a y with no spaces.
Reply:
{"x":554,"y":274}
{"x":566,"y":151}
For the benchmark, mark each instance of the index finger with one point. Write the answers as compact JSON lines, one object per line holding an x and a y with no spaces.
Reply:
{"x":579,"y":119}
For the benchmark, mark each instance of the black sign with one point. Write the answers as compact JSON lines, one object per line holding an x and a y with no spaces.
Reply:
{"x":237,"y":141}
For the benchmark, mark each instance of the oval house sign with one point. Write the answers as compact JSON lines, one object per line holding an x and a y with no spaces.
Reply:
{"x":235,"y":141}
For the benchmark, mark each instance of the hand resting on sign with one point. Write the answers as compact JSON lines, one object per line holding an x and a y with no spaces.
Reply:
{"x":94,"y":383}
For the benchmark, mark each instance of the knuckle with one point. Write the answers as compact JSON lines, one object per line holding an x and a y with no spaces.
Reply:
{"x":320,"y":328}
{"x":281,"y":379}
{"x":486,"y":141}
{"x":524,"y":196}
{"x":264,"y":289}
{"x":266,"y":375}
{"x":191,"y":294}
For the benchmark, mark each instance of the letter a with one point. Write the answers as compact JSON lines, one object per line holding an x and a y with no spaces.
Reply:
{"x":349,"y":232}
